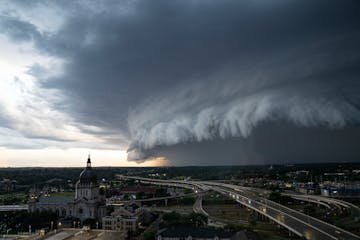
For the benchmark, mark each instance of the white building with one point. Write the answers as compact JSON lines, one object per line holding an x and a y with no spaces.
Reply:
{"x":87,"y":202}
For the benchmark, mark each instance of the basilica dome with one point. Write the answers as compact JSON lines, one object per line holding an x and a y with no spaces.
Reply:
{"x":88,"y":175}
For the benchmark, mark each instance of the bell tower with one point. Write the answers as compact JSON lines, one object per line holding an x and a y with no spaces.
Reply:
{"x":88,"y":163}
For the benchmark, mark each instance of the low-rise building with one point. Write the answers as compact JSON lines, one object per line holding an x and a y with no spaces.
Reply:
{"x":138,"y":189}
{"x":124,"y":218}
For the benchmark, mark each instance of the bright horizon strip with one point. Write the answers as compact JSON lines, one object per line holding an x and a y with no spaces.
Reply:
{"x":73,"y":157}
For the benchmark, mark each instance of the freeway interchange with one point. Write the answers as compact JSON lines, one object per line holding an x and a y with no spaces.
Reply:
{"x":295,"y":221}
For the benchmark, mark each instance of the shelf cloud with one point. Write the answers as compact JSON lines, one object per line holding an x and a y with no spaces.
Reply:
{"x":301,"y":89}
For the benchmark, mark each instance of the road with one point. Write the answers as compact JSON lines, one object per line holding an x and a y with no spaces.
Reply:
{"x":5,"y":208}
{"x":120,"y":202}
{"x":198,"y":208}
{"x":297,"y":222}
{"x":326,"y":200}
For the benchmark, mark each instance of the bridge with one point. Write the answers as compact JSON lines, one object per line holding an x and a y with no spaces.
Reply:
{"x":295,"y":221}
{"x":6,"y":208}
{"x":155,"y":199}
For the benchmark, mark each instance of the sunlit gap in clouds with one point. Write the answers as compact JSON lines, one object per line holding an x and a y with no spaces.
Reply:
{"x":73,"y":157}
{"x":34,"y":132}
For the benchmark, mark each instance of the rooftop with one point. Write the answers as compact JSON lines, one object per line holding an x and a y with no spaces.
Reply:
{"x":55,"y":199}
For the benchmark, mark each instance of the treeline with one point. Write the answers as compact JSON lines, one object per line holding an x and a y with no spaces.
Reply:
{"x":31,"y":176}
{"x":175,"y":219}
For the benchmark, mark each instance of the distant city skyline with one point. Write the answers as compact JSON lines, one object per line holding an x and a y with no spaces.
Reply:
{"x":181,"y":82}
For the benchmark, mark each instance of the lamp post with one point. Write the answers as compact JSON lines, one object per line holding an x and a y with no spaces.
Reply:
{"x":8,"y":230}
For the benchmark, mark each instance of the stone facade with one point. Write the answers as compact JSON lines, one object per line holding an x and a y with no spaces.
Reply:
{"x":87,"y":202}
{"x":124,"y":218}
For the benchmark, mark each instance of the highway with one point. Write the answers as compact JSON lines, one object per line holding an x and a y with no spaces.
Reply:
{"x":325,"y":200}
{"x":115,"y":202}
{"x":198,"y":208}
{"x":5,"y":208}
{"x":295,"y":221}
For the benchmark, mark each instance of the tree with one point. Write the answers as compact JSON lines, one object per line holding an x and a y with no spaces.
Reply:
{"x":161,"y":192}
{"x":252,"y":222}
{"x":90,"y":222}
{"x":197,"y":219}
{"x":231,"y":227}
{"x":140,"y":195}
{"x":171,"y":217}
{"x":11,"y":200}
{"x":309,"y":209}
{"x":149,"y":235}
{"x":192,"y":219}
{"x":275,"y":196}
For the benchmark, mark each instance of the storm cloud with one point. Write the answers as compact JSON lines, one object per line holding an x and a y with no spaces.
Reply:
{"x":203,"y":78}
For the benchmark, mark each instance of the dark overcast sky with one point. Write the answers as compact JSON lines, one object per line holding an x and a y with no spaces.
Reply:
{"x":199,"y":82}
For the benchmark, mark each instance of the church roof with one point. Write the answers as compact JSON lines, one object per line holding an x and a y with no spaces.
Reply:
{"x":88,"y":175}
{"x":55,"y":199}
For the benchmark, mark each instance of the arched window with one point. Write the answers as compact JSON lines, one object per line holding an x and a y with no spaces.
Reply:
{"x":80,"y":211}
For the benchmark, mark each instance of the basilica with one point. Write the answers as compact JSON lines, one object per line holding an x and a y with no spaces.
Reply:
{"x":86,"y":203}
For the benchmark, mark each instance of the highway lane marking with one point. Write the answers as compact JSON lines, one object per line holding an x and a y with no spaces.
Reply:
{"x":290,"y":228}
{"x":306,"y":216}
